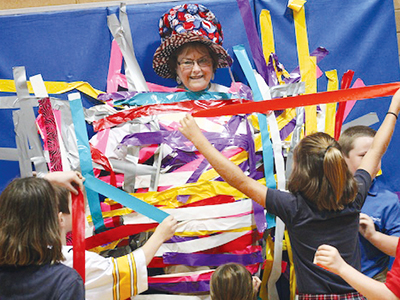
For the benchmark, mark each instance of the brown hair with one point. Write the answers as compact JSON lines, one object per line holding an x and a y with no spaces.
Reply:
{"x":320,"y":173}
{"x":63,"y":198}
{"x":348,"y":137}
{"x":199,"y":46}
{"x":29,"y":226}
{"x":232,"y":281}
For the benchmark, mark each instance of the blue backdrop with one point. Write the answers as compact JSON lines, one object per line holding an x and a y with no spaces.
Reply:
{"x":75,"y":45}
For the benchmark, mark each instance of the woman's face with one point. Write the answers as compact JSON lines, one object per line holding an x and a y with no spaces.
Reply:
{"x":195,"y":67}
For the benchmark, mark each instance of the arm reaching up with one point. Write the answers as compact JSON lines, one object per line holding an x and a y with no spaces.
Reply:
{"x":68,"y":179}
{"x":163,"y":232}
{"x":384,"y":242}
{"x":329,"y":258}
{"x":372,"y":158}
{"x":231,"y":173}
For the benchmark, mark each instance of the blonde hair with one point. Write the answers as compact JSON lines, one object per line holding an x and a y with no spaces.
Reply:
{"x":232,"y":281}
{"x":320,"y":173}
{"x":29,"y":226}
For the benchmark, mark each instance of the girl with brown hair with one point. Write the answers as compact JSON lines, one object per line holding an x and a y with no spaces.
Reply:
{"x":30,"y":244}
{"x":323,"y":202}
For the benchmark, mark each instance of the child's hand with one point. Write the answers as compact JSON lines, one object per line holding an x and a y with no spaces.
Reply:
{"x":189,"y":128}
{"x":395,"y":103}
{"x":68,"y":179}
{"x":256,"y":283}
{"x":167,"y":228}
{"x":367,"y":226}
{"x":328,"y":257}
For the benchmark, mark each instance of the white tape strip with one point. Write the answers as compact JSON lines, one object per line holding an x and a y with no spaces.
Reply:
{"x":198,"y":213}
{"x":200,"y":244}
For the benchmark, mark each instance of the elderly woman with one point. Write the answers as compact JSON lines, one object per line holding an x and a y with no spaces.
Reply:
{"x":191,"y":48}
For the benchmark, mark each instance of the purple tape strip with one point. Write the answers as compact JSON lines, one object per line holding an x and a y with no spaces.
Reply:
{"x":253,"y":38}
{"x":188,"y":259}
{"x":182,"y":287}
{"x":319,"y":53}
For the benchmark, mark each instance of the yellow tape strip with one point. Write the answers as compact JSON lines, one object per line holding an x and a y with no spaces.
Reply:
{"x":236,"y":159}
{"x":307,"y":63}
{"x":284,"y":118}
{"x":197,"y":190}
{"x":330,"y":114}
{"x":292,"y":279}
{"x":267,"y":34}
{"x":54,"y":87}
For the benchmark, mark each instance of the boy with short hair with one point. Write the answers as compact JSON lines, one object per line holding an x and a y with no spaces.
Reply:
{"x":381,"y":205}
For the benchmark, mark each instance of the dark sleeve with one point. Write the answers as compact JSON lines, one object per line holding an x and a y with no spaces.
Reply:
{"x":281,"y":204}
{"x":364,"y":183}
{"x":393,"y":276}
{"x":391,"y":217}
{"x":75,"y":290}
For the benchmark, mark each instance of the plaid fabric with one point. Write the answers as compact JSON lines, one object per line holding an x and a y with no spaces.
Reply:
{"x":354,"y":296}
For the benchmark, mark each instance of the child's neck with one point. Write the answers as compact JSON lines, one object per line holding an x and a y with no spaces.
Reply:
{"x":63,"y":235}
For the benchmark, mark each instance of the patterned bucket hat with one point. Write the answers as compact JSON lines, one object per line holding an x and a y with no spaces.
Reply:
{"x":188,"y":23}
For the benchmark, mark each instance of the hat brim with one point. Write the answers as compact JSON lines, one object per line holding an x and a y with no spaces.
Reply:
{"x":171,"y":44}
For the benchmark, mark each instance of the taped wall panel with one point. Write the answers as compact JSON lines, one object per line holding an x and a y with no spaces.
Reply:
{"x":364,"y":41}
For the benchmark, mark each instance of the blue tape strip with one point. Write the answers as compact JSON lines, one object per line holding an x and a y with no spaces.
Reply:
{"x":125,"y":199}
{"x":268,"y":155}
{"x":85,"y":160}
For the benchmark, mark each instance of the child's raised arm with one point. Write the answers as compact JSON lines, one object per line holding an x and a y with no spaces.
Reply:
{"x":163,"y":232}
{"x":329,"y":258}
{"x":372,"y":158}
{"x":384,"y":242}
{"x":230,"y":172}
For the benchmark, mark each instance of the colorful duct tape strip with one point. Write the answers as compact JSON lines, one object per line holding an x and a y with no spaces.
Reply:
{"x":361,"y":93}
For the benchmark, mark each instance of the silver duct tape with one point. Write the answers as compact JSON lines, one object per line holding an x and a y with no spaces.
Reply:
{"x":25,"y":167}
{"x":120,"y":166}
{"x":98,"y":112}
{"x":366,"y":120}
{"x":136,"y":81}
{"x":10,"y":154}
{"x":155,"y":178}
{"x":295,"y":139}
{"x":287,"y":90}
{"x":11,"y":102}
{"x":27,"y":120}
{"x":123,"y":16}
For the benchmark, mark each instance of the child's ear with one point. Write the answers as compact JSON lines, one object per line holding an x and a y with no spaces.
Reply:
{"x":61,"y":219}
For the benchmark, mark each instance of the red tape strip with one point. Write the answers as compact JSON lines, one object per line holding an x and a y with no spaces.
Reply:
{"x":367,"y":92}
{"x":78,"y":231}
{"x":157,"y":109}
{"x":116,"y":233}
{"x":345,"y":84}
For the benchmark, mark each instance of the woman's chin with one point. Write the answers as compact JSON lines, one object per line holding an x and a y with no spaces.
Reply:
{"x":197,"y":86}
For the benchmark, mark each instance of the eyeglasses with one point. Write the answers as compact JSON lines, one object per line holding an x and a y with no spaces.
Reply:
{"x":187,"y":64}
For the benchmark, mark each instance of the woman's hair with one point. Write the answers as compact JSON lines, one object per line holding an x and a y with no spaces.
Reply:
{"x":29,"y":226}
{"x":199,"y":46}
{"x":320,"y":173}
{"x":348,"y":137}
{"x":232,"y":281}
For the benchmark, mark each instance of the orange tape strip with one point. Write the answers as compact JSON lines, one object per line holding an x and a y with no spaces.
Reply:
{"x":367,"y":92}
